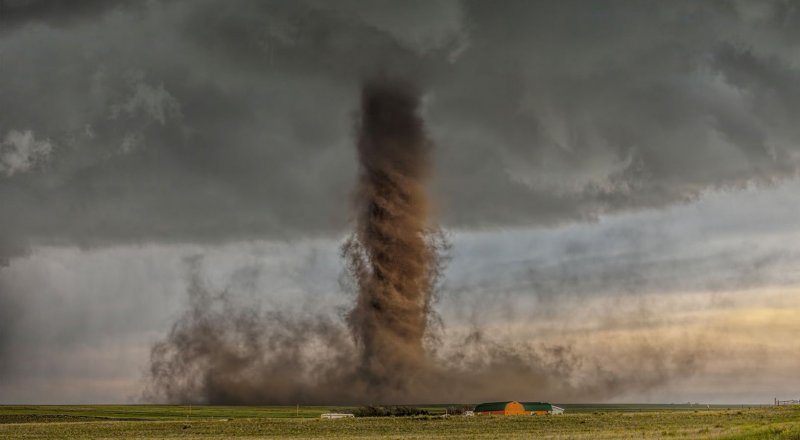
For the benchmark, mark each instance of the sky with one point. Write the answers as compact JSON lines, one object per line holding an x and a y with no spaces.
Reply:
{"x":617,"y":180}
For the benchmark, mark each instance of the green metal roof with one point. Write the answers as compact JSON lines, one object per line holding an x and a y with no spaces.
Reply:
{"x":537,"y":406}
{"x":492,"y":406}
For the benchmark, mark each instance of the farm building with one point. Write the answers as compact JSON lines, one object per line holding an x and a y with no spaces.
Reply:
{"x":514,"y":408}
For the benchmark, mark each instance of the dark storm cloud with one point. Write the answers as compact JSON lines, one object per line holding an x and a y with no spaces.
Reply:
{"x":14,"y":13}
{"x":189,"y":119}
{"x":206,"y":121}
{"x":588,"y":108}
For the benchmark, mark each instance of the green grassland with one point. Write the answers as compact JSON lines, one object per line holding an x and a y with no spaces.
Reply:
{"x":251,"y":422}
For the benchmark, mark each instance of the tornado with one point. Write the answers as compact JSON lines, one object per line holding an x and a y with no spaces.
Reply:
{"x":387,"y":349}
{"x":391,"y":253}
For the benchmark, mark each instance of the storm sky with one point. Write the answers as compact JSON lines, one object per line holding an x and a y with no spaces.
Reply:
{"x":616,"y":177}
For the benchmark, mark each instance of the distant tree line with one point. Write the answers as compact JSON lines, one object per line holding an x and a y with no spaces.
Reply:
{"x":459,"y":410}
{"x":388,"y":411}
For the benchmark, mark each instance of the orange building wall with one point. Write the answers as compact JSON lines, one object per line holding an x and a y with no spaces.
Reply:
{"x":515,"y":409}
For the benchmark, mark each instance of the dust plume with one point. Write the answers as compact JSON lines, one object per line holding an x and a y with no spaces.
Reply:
{"x":385,"y":349}
{"x":220,"y":351}
{"x":392,"y":254}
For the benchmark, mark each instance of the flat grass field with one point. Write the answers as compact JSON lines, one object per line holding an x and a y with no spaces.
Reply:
{"x":264,"y":422}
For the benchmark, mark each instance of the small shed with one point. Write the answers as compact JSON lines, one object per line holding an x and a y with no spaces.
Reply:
{"x":336,"y":415}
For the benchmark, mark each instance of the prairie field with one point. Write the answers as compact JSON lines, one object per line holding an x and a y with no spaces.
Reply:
{"x":266,"y":422}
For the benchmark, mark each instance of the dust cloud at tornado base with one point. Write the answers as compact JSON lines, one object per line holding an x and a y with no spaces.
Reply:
{"x":389,"y":348}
